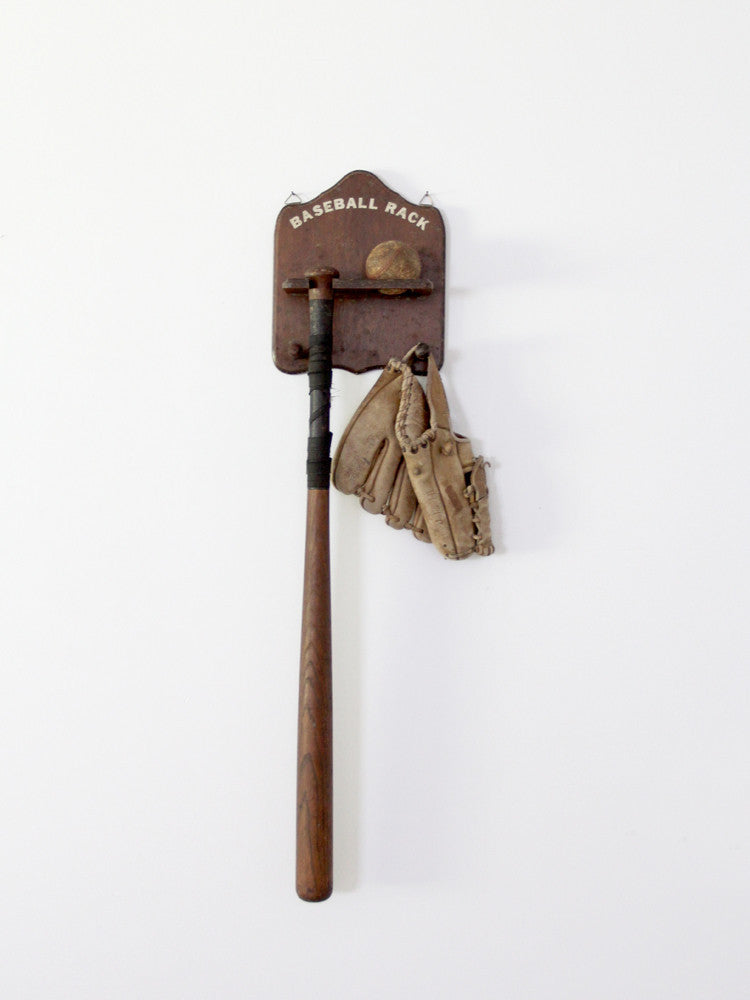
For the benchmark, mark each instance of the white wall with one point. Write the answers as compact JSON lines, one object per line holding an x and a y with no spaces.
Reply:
{"x":542,"y":757}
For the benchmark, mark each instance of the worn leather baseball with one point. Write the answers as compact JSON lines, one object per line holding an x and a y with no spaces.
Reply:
{"x":393,"y":259}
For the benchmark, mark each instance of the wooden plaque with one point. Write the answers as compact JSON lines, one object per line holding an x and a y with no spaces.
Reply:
{"x":339,"y":228}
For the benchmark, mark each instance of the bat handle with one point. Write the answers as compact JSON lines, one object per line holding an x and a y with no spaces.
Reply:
{"x":314,"y":733}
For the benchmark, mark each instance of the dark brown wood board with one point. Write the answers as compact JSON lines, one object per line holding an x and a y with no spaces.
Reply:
{"x":339,"y":228}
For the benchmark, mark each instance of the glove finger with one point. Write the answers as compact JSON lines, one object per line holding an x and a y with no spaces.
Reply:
{"x":402,"y":503}
{"x":439,"y":412}
{"x":412,"y":419}
{"x":419,"y":526}
{"x":376,"y":489}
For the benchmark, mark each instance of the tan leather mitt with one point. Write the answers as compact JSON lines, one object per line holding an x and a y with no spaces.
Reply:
{"x":401,"y":457}
{"x":368,"y":461}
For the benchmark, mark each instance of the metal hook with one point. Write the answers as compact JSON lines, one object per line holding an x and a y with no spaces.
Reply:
{"x":426,"y":199}
{"x":292,"y":195}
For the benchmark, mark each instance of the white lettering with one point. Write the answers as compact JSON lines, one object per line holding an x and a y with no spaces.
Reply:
{"x":337,"y":204}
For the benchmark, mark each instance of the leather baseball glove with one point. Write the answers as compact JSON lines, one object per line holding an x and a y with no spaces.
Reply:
{"x":400,"y":456}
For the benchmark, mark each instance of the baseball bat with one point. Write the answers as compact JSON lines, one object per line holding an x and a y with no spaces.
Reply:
{"x":314,"y":871}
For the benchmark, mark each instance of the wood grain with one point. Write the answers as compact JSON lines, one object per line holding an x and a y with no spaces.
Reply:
{"x":314,"y":736}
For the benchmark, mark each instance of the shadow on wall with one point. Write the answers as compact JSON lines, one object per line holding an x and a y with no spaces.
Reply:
{"x":474,"y":264}
{"x":517,"y":434}
{"x":493,"y":381}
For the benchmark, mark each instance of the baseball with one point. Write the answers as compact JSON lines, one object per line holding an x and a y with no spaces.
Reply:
{"x":393,"y":259}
